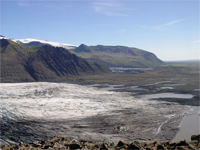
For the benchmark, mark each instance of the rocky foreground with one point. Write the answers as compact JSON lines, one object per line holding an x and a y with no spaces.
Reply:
{"x":63,"y":143}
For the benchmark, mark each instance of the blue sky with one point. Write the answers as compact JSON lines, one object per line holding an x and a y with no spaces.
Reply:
{"x":168,"y":28}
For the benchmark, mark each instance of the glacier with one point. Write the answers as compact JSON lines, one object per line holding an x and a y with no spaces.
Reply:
{"x":56,"y":44}
{"x":39,"y":110}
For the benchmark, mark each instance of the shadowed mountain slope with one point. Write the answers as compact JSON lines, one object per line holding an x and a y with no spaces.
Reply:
{"x":43,"y":63}
{"x":118,"y":56}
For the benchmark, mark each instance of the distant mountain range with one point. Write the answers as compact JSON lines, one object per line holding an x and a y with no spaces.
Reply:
{"x":21,"y":63}
{"x":111,"y":56}
{"x":118,"y":56}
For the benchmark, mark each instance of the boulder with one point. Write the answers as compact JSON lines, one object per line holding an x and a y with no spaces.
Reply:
{"x":133,"y":146}
{"x":182,"y":148}
{"x":57,"y":145}
{"x":22,"y":144}
{"x":195,"y":137}
{"x":36,"y":144}
{"x":104,"y":147}
{"x":182,"y":143}
{"x":160,"y":147}
{"x":122,"y":143}
{"x":74,"y":146}
{"x":74,"y":141}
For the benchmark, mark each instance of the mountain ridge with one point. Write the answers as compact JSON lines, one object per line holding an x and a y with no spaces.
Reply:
{"x":111,"y":56}
{"x":118,"y":56}
{"x":43,"y":63}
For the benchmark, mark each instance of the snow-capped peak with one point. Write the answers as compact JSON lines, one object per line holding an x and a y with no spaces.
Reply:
{"x":27,"y":40}
{"x":2,"y":37}
{"x":56,"y":44}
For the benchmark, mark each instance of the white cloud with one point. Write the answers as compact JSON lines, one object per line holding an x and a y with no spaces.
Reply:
{"x":196,"y":41}
{"x":171,"y":23}
{"x":122,"y":30}
{"x":158,"y":27}
{"x":104,"y":25}
{"x":108,"y":4}
{"x":23,"y":3}
{"x":109,"y":8}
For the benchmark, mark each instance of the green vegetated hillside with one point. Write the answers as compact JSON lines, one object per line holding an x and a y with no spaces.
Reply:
{"x":43,"y":63}
{"x":118,"y":56}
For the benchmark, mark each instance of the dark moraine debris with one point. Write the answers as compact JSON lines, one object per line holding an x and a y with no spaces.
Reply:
{"x":57,"y":142}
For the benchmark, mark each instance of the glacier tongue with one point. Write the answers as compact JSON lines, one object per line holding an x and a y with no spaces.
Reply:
{"x":31,"y":111}
{"x":62,"y":101}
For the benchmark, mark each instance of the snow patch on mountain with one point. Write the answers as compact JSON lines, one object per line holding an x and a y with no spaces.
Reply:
{"x":2,"y":37}
{"x":56,"y":44}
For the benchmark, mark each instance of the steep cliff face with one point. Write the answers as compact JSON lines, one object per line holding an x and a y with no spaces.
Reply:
{"x":20,"y":63}
{"x":118,"y":56}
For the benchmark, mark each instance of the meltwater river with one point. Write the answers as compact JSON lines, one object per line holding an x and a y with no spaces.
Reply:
{"x":190,"y":125}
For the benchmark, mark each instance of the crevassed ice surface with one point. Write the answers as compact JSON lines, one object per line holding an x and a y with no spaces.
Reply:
{"x":61,"y":100}
{"x":43,"y":108}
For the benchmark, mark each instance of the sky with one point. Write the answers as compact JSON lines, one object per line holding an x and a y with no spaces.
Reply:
{"x":167,"y":28}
